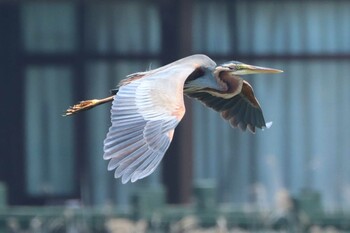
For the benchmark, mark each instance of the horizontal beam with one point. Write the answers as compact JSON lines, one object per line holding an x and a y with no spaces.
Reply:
{"x":59,"y":58}
{"x":284,"y":57}
{"x":71,"y":58}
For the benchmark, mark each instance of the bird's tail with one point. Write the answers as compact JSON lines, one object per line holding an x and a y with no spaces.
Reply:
{"x":86,"y":105}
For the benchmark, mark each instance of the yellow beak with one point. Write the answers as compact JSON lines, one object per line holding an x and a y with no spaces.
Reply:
{"x":250,"y":69}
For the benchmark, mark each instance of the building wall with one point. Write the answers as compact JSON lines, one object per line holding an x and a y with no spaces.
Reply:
{"x":72,"y":52}
{"x":307,"y":146}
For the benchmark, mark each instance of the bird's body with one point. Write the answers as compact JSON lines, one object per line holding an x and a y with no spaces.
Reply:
{"x":147,"y":107}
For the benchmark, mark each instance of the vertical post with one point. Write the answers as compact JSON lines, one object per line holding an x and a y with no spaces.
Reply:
{"x":186,"y":136}
{"x":12,"y":161}
{"x":176,"y":20}
{"x":205,"y":194}
{"x":80,"y":120}
{"x":147,"y":201}
{"x":3,"y":195}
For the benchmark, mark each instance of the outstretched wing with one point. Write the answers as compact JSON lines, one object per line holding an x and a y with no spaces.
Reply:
{"x":242,"y":110}
{"x":144,"y":115}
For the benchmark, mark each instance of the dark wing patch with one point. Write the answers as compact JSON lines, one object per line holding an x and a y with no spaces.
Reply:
{"x":247,"y":92}
{"x":242,"y":110}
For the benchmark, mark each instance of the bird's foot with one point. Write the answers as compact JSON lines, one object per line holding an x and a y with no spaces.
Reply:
{"x":83,"y":105}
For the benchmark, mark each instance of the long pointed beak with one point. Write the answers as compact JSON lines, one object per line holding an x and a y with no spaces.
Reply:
{"x":250,"y":69}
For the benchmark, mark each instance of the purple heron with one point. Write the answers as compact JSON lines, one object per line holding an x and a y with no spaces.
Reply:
{"x":147,"y":106}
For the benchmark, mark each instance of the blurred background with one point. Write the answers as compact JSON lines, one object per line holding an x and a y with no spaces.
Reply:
{"x":56,"y":53}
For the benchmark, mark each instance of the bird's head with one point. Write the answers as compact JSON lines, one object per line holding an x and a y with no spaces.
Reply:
{"x":239,"y":68}
{"x":226,"y":78}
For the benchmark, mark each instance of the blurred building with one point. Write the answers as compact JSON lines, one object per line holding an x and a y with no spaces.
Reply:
{"x":55,"y":53}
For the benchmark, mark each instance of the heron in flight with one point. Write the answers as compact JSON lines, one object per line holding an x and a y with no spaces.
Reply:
{"x":147,"y":106}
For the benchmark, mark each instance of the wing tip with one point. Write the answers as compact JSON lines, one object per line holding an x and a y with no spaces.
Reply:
{"x":268,"y":125}
{"x":126,"y":178}
{"x":251,"y":128}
